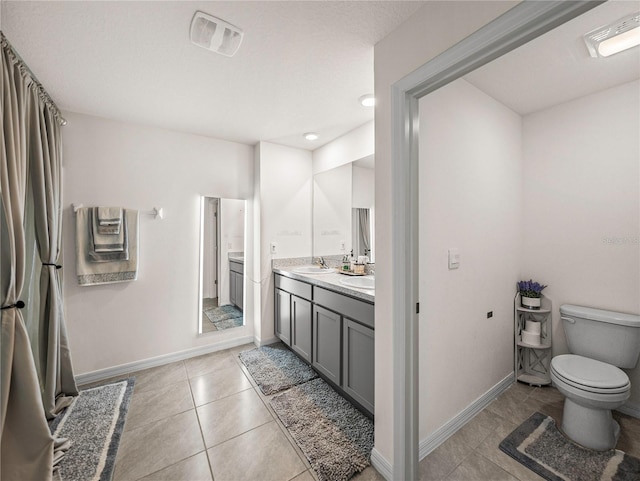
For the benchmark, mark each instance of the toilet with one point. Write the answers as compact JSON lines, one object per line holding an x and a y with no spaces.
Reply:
{"x":600,"y":342}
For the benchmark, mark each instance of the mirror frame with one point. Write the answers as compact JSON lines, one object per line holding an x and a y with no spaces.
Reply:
{"x":201,"y":204}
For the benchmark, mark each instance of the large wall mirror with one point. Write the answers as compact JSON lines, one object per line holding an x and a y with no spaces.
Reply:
{"x":343,"y":216}
{"x":222,"y":247}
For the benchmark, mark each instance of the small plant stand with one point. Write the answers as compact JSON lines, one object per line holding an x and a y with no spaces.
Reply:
{"x":533,"y":361}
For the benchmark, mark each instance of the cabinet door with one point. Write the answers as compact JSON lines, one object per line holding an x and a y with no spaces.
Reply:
{"x":283,"y":316}
{"x":301,"y":327}
{"x":232,"y":287}
{"x":358,"y":362}
{"x":239,"y":281}
{"x":327,"y":333}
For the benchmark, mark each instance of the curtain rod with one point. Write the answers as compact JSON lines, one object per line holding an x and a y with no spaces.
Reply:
{"x":25,"y":70}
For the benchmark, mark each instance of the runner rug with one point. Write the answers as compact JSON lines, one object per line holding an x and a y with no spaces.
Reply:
{"x":275,"y":368}
{"x":225,"y":317}
{"x":94,"y":425}
{"x":336,"y":438}
{"x":540,"y":446}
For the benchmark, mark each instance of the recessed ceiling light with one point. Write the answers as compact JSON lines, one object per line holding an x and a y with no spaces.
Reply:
{"x":311,"y":136}
{"x":615,"y":37}
{"x":367,"y":100}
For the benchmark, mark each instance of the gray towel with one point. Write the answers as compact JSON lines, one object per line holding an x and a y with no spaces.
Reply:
{"x":109,"y":215}
{"x":90,"y":272}
{"x":104,"y":248}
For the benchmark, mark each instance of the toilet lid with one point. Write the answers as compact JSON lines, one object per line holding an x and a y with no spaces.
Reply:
{"x":590,"y":374}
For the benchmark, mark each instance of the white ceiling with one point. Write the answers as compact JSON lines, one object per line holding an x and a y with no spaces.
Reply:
{"x":556,"y":67}
{"x":301,"y":67}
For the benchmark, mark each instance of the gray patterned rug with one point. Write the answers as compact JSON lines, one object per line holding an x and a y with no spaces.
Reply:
{"x":94,"y":425}
{"x":540,"y":446}
{"x":225,"y":317}
{"x":336,"y":438}
{"x":275,"y":368}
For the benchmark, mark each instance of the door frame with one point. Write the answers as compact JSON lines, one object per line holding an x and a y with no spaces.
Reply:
{"x":523,"y":23}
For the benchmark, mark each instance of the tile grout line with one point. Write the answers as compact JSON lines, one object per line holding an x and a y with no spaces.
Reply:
{"x":204,"y":443}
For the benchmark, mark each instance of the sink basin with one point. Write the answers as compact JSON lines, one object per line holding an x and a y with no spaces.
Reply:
{"x":368,"y":282}
{"x":313,"y":270}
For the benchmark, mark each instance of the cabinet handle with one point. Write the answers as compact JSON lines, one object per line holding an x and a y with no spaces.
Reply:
{"x":568,"y":319}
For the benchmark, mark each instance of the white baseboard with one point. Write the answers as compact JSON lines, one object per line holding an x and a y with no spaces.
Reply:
{"x":630,"y":409}
{"x":266,"y":342}
{"x":439,"y":436}
{"x":108,"y":372}
{"x":381,"y":464}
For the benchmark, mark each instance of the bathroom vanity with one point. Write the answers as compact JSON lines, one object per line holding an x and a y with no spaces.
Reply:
{"x":236,"y":281}
{"x":331,"y":327}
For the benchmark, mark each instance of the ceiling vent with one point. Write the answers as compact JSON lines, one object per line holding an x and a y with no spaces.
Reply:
{"x":215,"y":34}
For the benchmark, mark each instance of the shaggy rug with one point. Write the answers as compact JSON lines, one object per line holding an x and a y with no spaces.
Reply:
{"x":336,"y":438}
{"x":275,"y":368}
{"x":93,"y":424}
{"x":225,"y":317}
{"x":540,"y":446}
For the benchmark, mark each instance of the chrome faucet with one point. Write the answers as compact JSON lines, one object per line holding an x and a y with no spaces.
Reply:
{"x":322,"y":263}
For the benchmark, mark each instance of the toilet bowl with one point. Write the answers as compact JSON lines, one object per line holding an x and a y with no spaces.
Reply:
{"x":600,"y":343}
{"x":592,"y":390}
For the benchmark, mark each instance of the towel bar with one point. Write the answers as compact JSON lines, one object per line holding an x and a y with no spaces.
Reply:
{"x":157,"y":212}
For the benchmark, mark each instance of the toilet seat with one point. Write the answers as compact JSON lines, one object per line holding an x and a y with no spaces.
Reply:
{"x":589,"y":375}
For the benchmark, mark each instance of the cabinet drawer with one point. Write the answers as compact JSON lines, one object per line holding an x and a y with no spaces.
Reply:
{"x":298,"y":288}
{"x":236,"y":267}
{"x":360,"y":311}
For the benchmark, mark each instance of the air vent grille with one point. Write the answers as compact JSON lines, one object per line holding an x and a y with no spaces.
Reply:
{"x":215,"y":34}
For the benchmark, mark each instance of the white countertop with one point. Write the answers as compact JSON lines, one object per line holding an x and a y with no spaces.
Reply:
{"x":328,"y":281}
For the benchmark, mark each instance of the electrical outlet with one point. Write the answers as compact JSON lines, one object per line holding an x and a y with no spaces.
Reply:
{"x":342,"y":245}
{"x":489,"y":314}
{"x":273,"y":248}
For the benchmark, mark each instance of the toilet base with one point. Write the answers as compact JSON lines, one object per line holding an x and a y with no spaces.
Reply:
{"x":589,"y":427}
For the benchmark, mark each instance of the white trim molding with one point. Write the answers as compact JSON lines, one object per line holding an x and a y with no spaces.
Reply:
{"x":445,"y":431}
{"x":630,"y":409}
{"x":381,"y":464}
{"x":521,"y":24}
{"x":134,"y":366}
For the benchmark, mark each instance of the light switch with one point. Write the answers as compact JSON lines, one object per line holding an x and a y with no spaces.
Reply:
{"x":273,"y":247}
{"x":454,"y":258}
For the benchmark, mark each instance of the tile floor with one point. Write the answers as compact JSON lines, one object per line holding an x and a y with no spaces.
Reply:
{"x":472,"y":453}
{"x":207,"y":325}
{"x":204,"y":419}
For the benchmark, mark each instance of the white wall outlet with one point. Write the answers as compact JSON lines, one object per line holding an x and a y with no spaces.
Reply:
{"x":342,"y":245}
{"x":454,"y":258}
{"x":273,"y":248}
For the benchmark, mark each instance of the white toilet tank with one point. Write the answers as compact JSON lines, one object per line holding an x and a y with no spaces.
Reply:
{"x":607,"y":336}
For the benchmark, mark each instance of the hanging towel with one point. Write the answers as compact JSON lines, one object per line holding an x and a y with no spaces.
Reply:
{"x":109,"y":220}
{"x":109,"y":215}
{"x":92,"y":273}
{"x":104,"y":248}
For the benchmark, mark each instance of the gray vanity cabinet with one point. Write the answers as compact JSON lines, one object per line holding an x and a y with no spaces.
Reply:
{"x":236,"y":284}
{"x":327,"y":333}
{"x":301,"y":327}
{"x":293,"y":315}
{"x":283,"y":316}
{"x":334,"y":332}
{"x":358,"y":373}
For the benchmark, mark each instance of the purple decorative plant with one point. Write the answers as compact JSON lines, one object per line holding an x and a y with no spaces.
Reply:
{"x":530,"y":288}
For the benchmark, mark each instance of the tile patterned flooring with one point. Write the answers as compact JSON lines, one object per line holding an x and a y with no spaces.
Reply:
{"x":207,"y":325}
{"x":205,"y":419}
{"x":472,"y":453}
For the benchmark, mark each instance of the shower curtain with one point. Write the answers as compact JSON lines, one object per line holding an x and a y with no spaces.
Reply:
{"x":364,"y":237}
{"x":30,"y":147}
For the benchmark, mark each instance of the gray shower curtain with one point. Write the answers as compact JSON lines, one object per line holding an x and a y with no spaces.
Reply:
{"x":45,"y":156}
{"x":27,"y":449}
